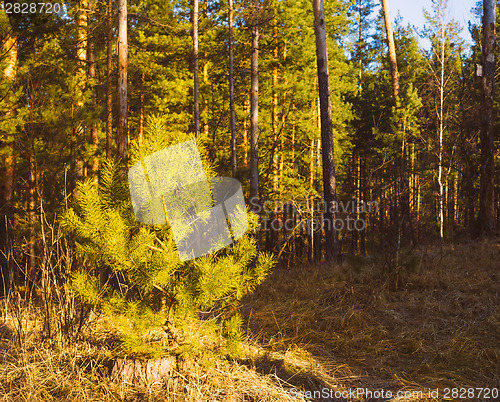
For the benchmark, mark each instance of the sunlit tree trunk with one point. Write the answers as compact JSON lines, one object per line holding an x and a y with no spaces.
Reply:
{"x":487,"y":196}
{"x":274,"y":114}
{"x":231,"y":93}
{"x":32,"y":217}
{"x":196,"y":107}
{"x":312,"y":145}
{"x":283,"y":123}
{"x":122,"y":126}
{"x":141,"y":111}
{"x":246,"y":110}
{"x":329,"y":178}
{"x":392,"y":51}
{"x":404,"y":219}
{"x":92,"y":76}
{"x":254,"y":107}
{"x":7,"y":171}
{"x":109,"y":88}
{"x":441,"y":132}
{"x":81,"y":53}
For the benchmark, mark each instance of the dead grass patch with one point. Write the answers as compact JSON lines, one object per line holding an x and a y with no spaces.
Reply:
{"x":435,"y":325}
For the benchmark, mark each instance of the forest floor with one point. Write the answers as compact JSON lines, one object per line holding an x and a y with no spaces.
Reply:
{"x":363,"y":330}
{"x":431,"y":323}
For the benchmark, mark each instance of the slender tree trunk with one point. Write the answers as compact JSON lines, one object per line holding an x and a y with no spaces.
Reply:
{"x":122,"y":127}
{"x":360,"y":62}
{"x":206,"y":127}
{"x":310,"y":200}
{"x":82,"y":81}
{"x":283,"y":122}
{"x":246,"y":108}
{"x":109,"y":89}
{"x":404,"y":221}
{"x":206,"y":120}
{"x":392,"y":51}
{"x":92,"y":76}
{"x":231,"y":93}
{"x":274,"y":115}
{"x":329,"y":179}
{"x":32,"y":212}
{"x":294,"y":129}
{"x":487,"y":196}
{"x":141,"y":111}
{"x":441,"y":132}
{"x":254,"y":108}
{"x":7,"y":172}
{"x":196,"y":108}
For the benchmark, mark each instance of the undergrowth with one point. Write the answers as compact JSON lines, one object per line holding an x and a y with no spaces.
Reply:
{"x":432,"y":324}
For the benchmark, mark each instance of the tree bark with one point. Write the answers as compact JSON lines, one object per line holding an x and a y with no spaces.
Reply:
{"x":7,"y":173}
{"x":31,"y":279}
{"x":405,"y":226}
{"x":246,"y":110}
{"x":122,"y":128}
{"x":109,"y":89}
{"x":274,"y":116}
{"x":196,"y":108}
{"x":487,"y":197}
{"x":441,"y":133}
{"x":329,"y":179}
{"x":392,"y":51}
{"x":81,"y":53}
{"x":231,"y":93}
{"x":254,"y":108}
{"x":141,"y":111}
{"x":92,"y":76}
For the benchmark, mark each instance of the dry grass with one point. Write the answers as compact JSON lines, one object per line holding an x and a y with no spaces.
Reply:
{"x":432,"y":322}
{"x":435,"y":323}
{"x":42,"y":370}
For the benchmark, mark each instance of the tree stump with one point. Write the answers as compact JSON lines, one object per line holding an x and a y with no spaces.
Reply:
{"x":143,"y":372}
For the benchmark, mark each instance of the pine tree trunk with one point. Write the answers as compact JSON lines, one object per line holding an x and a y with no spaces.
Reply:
{"x":7,"y":173}
{"x":92,"y":75}
{"x":196,"y":108}
{"x":404,"y":221}
{"x":275,"y":105}
{"x":294,"y":128}
{"x":205,"y":79}
{"x":360,"y":36}
{"x":392,"y":51}
{"x":231,"y":93}
{"x":122,"y":127}
{"x":246,"y":108}
{"x":81,"y":53}
{"x":109,"y":89}
{"x":329,"y":179}
{"x":254,"y":108}
{"x":206,"y":127}
{"x":487,"y":196}
{"x":441,"y":132}
{"x":283,"y":122}
{"x":311,"y":199}
{"x":141,"y":111}
{"x":31,"y":213}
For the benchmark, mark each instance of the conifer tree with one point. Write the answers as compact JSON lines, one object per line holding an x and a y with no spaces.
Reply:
{"x":152,"y":288}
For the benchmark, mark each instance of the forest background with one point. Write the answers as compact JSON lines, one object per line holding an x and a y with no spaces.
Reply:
{"x":76,"y":91}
